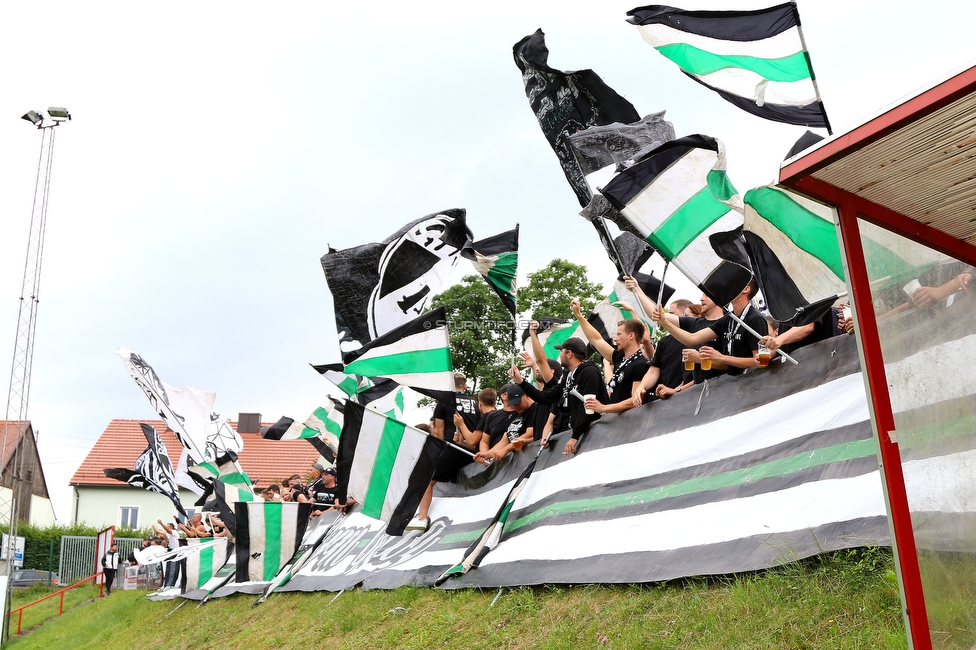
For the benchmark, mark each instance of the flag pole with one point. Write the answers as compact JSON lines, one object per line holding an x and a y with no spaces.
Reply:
{"x":813,"y":76}
{"x":759,"y":336}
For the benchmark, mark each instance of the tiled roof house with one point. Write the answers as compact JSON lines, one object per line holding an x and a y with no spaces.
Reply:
{"x":101,"y":501}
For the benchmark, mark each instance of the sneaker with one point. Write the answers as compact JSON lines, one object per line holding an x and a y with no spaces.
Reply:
{"x":418,"y":524}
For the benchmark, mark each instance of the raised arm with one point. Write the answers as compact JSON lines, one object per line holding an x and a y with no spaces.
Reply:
{"x":602,"y":347}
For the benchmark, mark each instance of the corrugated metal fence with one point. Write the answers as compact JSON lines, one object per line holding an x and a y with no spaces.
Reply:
{"x":77,"y":559}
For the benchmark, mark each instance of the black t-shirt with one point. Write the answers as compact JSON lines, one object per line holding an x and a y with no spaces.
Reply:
{"x":694,"y":324}
{"x":667,"y":357}
{"x":535,"y":417}
{"x":736,"y":341}
{"x":823,"y":328}
{"x":495,"y":424}
{"x":464,"y":404}
{"x":626,"y":371}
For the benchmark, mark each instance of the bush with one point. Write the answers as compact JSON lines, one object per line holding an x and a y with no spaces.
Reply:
{"x":37,"y":541}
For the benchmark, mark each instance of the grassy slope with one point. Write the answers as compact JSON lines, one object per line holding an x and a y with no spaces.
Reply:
{"x":847,"y":599}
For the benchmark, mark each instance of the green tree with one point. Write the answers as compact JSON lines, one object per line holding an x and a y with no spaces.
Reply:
{"x":480,"y":329}
{"x":550,"y":290}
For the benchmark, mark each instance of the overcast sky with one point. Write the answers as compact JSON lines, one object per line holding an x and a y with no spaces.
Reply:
{"x":218,"y":148}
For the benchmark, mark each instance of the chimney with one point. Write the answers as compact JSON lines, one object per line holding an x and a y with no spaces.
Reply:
{"x":248,"y":423}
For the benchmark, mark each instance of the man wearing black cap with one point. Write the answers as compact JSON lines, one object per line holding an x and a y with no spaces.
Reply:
{"x":526,"y":425}
{"x":582,"y":378}
{"x":321,"y":489}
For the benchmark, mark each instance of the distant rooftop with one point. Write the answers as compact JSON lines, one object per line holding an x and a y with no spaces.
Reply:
{"x":122,"y":442}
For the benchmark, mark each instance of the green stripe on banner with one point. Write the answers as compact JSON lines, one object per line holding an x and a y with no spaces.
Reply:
{"x":686,"y":223}
{"x":699,"y":62}
{"x":379,"y":479}
{"x":781,"y":467}
{"x":401,"y":363}
{"x":272,"y":539}
{"x":205,"y":561}
{"x":810,"y":232}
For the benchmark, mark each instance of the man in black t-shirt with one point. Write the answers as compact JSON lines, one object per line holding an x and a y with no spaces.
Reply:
{"x":582,"y":378}
{"x":526,"y":424}
{"x":627,"y":358}
{"x":443,"y":420}
{"x":737,"y":348}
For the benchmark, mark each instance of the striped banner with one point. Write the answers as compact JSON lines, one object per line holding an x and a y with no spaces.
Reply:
{"x":385,"y":465}
{"x":201,"y":566}
{"x":753,"y":59}
{"x":779,"y":464}
{"x":268,"y":534}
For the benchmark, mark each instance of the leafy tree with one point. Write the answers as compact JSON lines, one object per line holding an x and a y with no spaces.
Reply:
{"x":550,"y":290}
{"x":480,"y":326}
{"x":480,"y":329}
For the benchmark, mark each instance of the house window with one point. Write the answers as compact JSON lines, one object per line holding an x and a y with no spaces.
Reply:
{"x":129,"y":516}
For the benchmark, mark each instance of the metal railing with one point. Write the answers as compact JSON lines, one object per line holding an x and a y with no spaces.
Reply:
{"x":61,"y":592}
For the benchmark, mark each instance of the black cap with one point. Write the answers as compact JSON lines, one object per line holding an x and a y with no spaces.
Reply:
{"x":331,"y":471}
{"x":514,"y":394}
{"x":574,"y":345}
{"x":556,"y":367}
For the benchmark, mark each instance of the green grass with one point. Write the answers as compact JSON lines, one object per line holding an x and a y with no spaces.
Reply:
{"x":846,"y":599}
{"x":49,"y":608}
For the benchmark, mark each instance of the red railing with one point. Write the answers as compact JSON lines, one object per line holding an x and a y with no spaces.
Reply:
{"x":20,"y":610}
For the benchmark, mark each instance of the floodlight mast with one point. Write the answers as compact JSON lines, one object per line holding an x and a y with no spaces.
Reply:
{"x":18,"y":394}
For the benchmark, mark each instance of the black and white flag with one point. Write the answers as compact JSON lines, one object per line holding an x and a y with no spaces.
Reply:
{"x":153,"y":470}
{"x":376,"y":287}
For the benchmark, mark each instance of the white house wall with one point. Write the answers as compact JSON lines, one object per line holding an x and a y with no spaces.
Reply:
{"x":101,"y":506}
{"x":41,"y":512}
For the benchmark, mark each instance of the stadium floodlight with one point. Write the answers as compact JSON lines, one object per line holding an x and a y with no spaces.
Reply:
{"x":33,"y":117}
{"x":58,"y":113}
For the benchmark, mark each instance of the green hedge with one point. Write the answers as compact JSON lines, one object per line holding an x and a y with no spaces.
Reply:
{"x":37,"y":541}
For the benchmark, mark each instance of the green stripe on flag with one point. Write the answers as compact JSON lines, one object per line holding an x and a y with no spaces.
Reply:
{"x":686,"y":223}
{"x":402,"y":363}
{"x":272,"y":539}
{"x":612,"y":298}
{"x":502,"y":273}
{"x":349,"y":386}
{"x":700,"y":62}
{"x":330,"y":425}
{"x":810,"y":232}
{"x":379,"y":479}
{"x":780,"y":467}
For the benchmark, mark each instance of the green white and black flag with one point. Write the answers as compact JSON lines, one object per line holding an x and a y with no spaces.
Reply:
{"x":496,"y":258}
{"x":321,"y":428}
{"x":753,"y":59}
{"x":268,"y":534}
{"x":416,"y":354}
{"x":384,"y":465}
{"x":493,"y":533}
{"x":677,"y":197}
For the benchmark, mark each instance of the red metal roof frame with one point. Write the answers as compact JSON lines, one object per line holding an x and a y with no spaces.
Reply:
{"x":799,"y":175}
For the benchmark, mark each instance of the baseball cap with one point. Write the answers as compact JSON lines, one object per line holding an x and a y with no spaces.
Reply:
{"x":574,"y":345}
{"x":514,"y":394}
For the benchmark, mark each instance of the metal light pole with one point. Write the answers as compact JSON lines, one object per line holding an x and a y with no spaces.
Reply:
{"x":15,"y":422}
